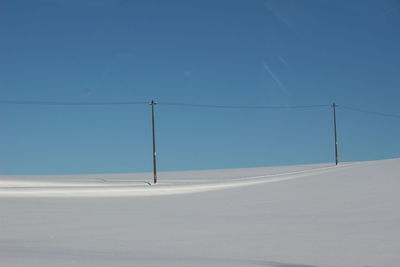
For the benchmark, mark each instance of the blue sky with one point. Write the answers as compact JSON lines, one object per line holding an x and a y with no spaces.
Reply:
{"x":236,"y":52}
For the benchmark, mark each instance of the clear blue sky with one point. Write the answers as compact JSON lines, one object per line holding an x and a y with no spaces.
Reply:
{"x":227,"y":52}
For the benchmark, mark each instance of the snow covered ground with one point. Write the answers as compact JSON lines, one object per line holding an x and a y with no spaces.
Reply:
{"x":295,"y":216}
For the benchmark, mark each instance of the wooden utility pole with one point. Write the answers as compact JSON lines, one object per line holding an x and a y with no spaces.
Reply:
{"x":335,"y":134}
{"x":154,"y":142}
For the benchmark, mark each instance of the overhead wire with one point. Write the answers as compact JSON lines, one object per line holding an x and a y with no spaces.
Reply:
{"x":67,"y":103}
{"x":55,"y":103}
{"x":370,"y":112}
{"x":238,"y":106}
{"x":190,"y":105}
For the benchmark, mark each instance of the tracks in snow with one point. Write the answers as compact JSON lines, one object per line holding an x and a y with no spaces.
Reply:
{"x":15,"y":188}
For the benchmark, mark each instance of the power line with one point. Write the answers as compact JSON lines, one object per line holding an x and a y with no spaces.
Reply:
{"x":370,"y":112}
{"x":240,"y":107}
{"x":189,"y":105}
{"x":67,"y":103}
{"x":55,"y":103}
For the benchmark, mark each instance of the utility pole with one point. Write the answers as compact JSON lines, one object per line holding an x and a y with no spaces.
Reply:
{"x":152,"y":103}
{"x":335,"y":134}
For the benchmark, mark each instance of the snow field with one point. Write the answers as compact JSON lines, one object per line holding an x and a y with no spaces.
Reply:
{"x":296,"y":216}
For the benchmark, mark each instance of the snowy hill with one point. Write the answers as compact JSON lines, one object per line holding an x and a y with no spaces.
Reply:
{"x":311,"y":215}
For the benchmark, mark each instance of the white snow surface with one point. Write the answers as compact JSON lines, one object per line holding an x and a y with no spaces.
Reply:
{"x":292,"y":216}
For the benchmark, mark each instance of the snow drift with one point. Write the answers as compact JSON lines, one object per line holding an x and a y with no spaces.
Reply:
{"x":312,"y":215}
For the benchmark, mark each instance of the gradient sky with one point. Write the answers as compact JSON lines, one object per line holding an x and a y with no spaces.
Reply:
{"x":226,"y":52}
